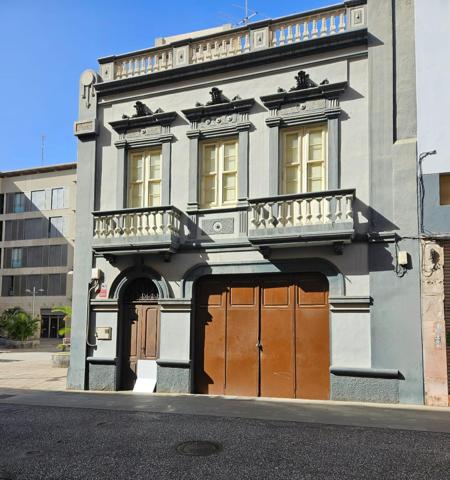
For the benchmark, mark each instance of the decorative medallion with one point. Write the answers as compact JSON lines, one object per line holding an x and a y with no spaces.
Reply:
{"x":217,"y":226}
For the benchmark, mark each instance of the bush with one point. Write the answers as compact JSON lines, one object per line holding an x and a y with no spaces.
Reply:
{"x":18,"y":324}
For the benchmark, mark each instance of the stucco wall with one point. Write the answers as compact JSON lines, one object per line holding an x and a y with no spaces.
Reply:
{"x":378,"y":323}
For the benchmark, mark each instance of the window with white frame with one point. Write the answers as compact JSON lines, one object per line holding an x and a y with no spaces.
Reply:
{"x":144,"y":174}
{"x":56,"y":227}
{"x":57,"y":198}
{"x":304,"y":159}
{"x":38,"y":200}
{"x":218,"y":173}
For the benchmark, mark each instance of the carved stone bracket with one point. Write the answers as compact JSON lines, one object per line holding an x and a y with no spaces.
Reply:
{"x":145,"y":128}
{"x":327,"y":91}
{"x":223,"y":116}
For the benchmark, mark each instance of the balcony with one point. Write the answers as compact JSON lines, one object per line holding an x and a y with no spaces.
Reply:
{"x":288,"y":220}
{"x":154,"y":229}
{"x":310,"y":30}
{"x":321,"y":218}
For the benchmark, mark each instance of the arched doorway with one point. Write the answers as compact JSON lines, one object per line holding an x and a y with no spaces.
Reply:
{"x":139,"y":317}
{"x":263,"y":335}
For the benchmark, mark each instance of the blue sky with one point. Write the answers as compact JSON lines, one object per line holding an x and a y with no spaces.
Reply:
{"x":46,"y":44}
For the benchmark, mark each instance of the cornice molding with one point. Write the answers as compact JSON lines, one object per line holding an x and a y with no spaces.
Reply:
{"x":345,"y":40}
{"x":328,"y":91}
{"x":235,"y":106}
{"x":164,"y":119}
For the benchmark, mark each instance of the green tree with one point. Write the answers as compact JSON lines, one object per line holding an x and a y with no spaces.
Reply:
{"x":18,"y":324}
{"x":66,"y":310}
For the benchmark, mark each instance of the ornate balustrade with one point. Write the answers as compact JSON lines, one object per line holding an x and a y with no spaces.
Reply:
{"x":325,"y":22}
{"x":320,"y":217}
{"x":155,"y":228}
{"x":312,"y":216}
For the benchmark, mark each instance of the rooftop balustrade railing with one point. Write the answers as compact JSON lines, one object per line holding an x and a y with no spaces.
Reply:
{"x":325,"y":22}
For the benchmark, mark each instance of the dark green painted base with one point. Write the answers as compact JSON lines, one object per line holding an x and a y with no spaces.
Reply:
{"x":102,"y":377}
{"x":363,"y":389}
{"x":173,"y":379}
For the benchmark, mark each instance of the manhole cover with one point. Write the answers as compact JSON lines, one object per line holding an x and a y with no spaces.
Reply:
{"x":198,"y":448}
{"x":4,"y":396}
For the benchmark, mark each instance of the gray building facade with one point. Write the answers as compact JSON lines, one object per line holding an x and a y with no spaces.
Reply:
{"x":247,"y":200}
{"x":37,"y":233}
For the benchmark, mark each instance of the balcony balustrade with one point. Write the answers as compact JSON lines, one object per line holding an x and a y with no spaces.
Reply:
{"x":314,"y":217}
{"x":154,"y":228}
{"x":278,"y":221}
{"x":325,"y":22}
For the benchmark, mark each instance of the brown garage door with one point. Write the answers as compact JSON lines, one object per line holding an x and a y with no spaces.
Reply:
{"x":266,"y":336}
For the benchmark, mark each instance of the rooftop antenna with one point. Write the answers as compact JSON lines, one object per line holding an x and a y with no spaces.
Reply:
{"x":42,"y":148}
{"x":249,"y":13}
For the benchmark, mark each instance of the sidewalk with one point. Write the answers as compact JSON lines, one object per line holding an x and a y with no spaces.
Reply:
{"x":398,"y":417}
{"x":31,"y":369}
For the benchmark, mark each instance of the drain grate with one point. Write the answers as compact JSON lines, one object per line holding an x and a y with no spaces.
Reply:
{"x":8,"y":360}
{"x":4,"y":396}
{"x":198,"y":448}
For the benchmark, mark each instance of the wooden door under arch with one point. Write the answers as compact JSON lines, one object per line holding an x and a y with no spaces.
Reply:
{"x":139,"y":329}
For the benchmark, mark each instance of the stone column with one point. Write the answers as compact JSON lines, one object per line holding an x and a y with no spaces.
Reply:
{"x":121,"y":176}
{"x":333,"y":153}
{"x":166,"y":171}
{"x":174,"y":363}
{"x":242,"y":187}
{"x":193,"y":169}
{"x":86,"y":131}
{"x":274,"y":155}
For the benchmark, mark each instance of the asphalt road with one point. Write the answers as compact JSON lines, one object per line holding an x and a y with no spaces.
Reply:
{"x":41,"y":442}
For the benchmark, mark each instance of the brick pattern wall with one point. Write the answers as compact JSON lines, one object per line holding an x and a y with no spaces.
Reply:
{"x":446,"y":245}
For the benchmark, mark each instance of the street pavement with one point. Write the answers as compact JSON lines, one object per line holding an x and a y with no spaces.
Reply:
{"x":64,"y":435}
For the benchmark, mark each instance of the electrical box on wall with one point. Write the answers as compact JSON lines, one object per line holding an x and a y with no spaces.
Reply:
{"x":96,"y":274}
{"x":103,"y":333}
{"x":403,"y":258}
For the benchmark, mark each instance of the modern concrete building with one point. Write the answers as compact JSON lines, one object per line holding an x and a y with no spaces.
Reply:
{"x":247,"y":199}
{"x":37,"y":225}
{"x":433,"y":126}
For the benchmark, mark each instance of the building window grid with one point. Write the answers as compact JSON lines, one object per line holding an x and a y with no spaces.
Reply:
{"x":16,"y":258}
{"x":19,"y":203}
{"x":53,"y":284}
{"x":304,"y":160}
{"x":218,"y":183}
{"x":144,"y":189}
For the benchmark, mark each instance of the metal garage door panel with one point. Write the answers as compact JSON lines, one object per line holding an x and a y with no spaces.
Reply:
{"x":277,"y":339}
{"x":210,"y":345}
{"x":241,"y":340}
{"x":312,"y":339}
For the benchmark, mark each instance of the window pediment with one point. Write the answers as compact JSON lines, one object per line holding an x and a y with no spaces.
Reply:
{"x":220,"y":112}
{"x":144,"y":125}
{"x":305,"y":94}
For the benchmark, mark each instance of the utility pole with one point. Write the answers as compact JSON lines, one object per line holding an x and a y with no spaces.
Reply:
{"x":34,"y":292}
{"x":42,"y":148}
